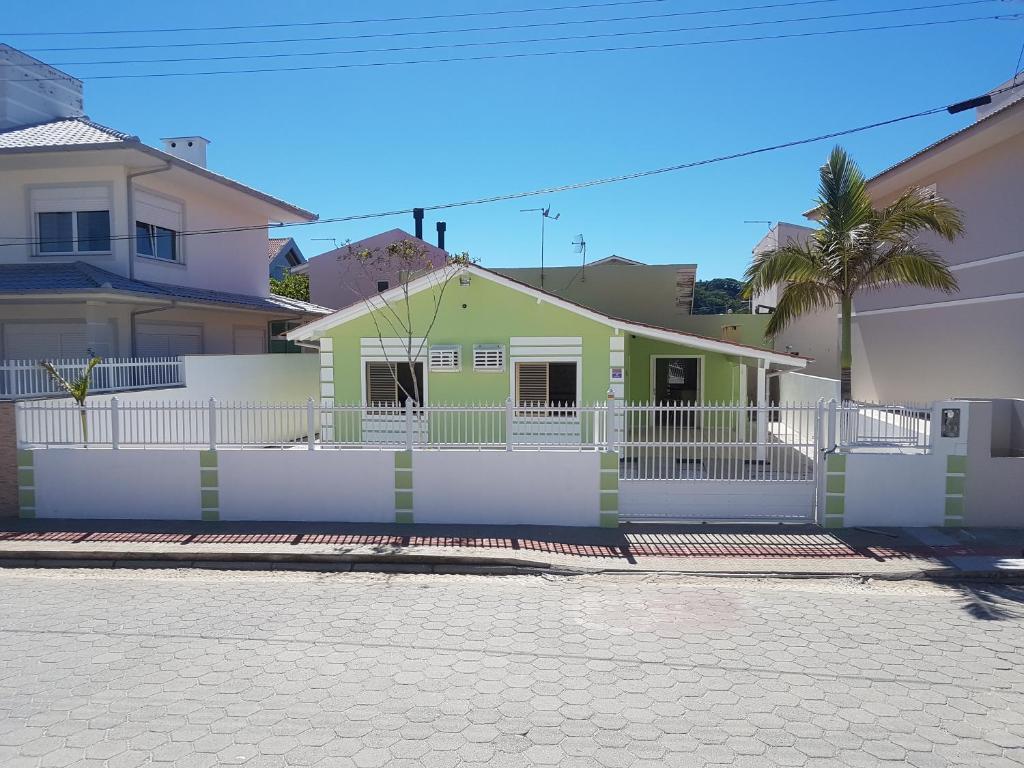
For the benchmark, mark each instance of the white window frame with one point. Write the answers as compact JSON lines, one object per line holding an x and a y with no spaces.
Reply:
{"x":73,"y":203}
{"x":558,"y":359}
{"x":486,"y":349}
{"x":162,"y":211}
{"x":439,"y":354}
{"x":392,"y":350}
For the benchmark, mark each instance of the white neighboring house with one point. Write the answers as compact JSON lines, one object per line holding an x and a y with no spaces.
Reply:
{"x":814,"y":335}
{"x":94,"y":255}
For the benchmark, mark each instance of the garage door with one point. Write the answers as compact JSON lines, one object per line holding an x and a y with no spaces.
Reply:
{"x":44,"y":341}
{"x":160,"y":340}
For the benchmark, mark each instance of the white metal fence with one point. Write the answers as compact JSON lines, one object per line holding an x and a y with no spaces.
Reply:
{"x":28,"y":378}
{"x":865,"y":425}
{"x":655,"y":442}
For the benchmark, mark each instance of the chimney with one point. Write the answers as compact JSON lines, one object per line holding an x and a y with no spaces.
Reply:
{"x":441,"y":227}
{"x":33,"y":92}
{"x":417,"y":215}
{"x":191,"y":149}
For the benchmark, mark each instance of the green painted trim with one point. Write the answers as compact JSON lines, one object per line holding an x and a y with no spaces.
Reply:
{"x":403,"y":499}
{"x":27,"y":513}
{"x":953,"y":522}
{"x":210,"y":499}
{"x":208,"y":478}
{"x":954,"y":506}
{"x":403,"y":460}
{"x":208,"y":459}
{"x":835,"y":483}
{"x":26,"y":476}
{"x":609,"y":502}
{"x":26,"y":458}
{"x":955,"y":484}
{"x":833,"y":522}
{"x":26,"y":498}
{"x":957,"y":465}
{"x":610,"y":460}
{"x":609,"y":520}
{"x":403,"y":479}
{"x":610,"y":481}
{"x":836,"y":462}
{"x":835,"y":505}
{"x":211,"y":515}
{"x":403,"y":518}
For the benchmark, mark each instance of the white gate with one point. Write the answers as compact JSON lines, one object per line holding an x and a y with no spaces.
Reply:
{"x":719,"y":462}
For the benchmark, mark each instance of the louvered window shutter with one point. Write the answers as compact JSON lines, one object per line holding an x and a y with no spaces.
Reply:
{"x":381,"y":387}
{"x":532,"y":383}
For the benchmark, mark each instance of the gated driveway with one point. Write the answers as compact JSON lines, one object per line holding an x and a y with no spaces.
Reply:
{"x":271,"y":670}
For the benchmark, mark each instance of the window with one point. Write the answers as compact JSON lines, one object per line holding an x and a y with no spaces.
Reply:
{"x":156,"y":242}
{"x":552,"y":384}
{"x":446,"y":357}
{"x":382,"y":285}
{"x":391,"y":384}
{"x":71,"y":220}
{"x":74,"y":231}
{"x":489,"y":358}
{"x":278,"y":343}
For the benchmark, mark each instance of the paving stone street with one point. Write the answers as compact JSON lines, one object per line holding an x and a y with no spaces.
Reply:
{"x":191,"y":668}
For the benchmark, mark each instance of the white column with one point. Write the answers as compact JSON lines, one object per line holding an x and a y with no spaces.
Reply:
{"x":762,"y":410}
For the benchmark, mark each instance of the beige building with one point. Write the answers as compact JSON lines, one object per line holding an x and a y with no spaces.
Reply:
{"x":106,"y":245}
{"x":915,"y":344}
{"x":657,"y":294}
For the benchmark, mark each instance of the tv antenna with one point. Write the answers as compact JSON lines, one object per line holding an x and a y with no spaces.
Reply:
{"x":579,"y":245}
{"x":329,"y":239}
{"x":545,"y":214}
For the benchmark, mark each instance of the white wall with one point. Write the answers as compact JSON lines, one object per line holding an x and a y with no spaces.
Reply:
{"x":99,"y":483}
{"x":506,"y":487}
{"x":890,"y":489}
{"x":715,"y":500}
{"x":299,"y":484}
{"x":801,"y":388}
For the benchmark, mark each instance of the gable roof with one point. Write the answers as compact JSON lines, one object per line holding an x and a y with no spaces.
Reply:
{"x":613,"y":259}
{"x":81,"y":133}
{"x":317,"y":328}
{"x":81,"y":277}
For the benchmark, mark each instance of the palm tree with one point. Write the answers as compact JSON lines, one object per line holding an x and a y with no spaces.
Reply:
{"x":857,"y":248}
{"x":77,"y":388}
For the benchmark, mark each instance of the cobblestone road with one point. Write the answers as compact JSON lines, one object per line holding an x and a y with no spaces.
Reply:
{"x":132,"y":668}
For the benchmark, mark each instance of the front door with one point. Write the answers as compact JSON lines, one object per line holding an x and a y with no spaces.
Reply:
{"x":676,"y":382}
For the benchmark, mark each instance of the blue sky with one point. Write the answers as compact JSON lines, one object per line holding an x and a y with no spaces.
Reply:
{"x":357,"y":140}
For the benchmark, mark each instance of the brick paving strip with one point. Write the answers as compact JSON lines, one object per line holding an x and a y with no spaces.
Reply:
{"x":632,"y":548}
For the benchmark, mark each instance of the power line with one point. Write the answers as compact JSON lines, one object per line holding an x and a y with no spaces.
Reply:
{"x":563,"y":38}
{"x":432,"y":17}
{"x":533,"y":54}
{"x":529,"y":25}
{"x":421,"y":33}
{"x":555,"y":189}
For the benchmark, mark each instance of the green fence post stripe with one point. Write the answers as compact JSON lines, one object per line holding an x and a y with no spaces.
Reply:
{"x":956,"y":465}
{"x":403,"y":487}
{"x":209,"y":486}
{"x":954,"y":485}
{"x":26,"y":484}
{"x":836,"y":462}
{"x":26,"y":458}
{"x":609,"y":520}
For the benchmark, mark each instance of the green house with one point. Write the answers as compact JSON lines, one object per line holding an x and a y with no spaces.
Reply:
{"x":478,"y":337}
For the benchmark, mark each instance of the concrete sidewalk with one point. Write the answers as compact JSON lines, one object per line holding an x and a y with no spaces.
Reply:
{"x":632,"y":548}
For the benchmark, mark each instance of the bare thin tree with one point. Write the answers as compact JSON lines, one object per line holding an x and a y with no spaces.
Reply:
{"x":392,"y":312}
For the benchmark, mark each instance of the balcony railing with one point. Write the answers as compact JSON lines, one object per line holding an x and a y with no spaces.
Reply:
{"x":28,"y":378}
